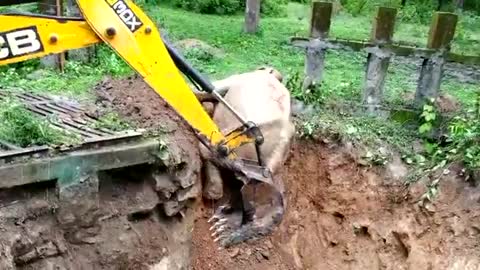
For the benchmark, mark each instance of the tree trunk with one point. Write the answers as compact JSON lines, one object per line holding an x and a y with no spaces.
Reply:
{"x":404,"y":2}
{"x":48,"y":7}
{"x":441,"y":3}
{"x":460,"y":4}
{"x":83,"y":55}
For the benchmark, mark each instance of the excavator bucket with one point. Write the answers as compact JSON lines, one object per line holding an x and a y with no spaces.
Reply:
{"x":254,"y":206}
{"x":133,"y":36}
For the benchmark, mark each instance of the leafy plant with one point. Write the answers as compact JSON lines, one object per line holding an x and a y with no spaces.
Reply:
{"x":21,"y":127}
{"x":112,"y":121}
{"x":210,"y":6}
{"x":312,"y":95}
{"x":428,"y":117}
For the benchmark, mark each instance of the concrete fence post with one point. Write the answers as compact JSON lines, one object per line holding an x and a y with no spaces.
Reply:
{"x":378,"y":58}
{"x":315,"y":56}
{"x":442,"y":31}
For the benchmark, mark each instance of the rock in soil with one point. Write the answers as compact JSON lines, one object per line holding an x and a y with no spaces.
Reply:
{"x":318,"y":229}
{"x":124,"y":227}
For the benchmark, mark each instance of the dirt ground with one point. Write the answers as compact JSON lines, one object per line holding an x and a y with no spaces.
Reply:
{"x":341,"y":214}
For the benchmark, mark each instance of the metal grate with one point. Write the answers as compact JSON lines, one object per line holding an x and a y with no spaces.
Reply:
{"x":70,"y":117}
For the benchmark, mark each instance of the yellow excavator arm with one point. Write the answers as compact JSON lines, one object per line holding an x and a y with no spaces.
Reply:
{"x":130,"y":33}
{"x":133,"y":36}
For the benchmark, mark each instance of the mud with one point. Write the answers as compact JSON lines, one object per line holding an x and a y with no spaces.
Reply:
{"x":133,"y":218}
{"x":130,"y":233}
{"x":342,"y":215}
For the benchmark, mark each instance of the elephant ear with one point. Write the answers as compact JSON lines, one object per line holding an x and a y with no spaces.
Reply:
{"x":273,"y":71}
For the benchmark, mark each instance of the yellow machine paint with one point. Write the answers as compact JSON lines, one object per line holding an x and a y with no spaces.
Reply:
{"x":47,"y":35}
{"x":144,"y":50}
{"x":131,"y":34}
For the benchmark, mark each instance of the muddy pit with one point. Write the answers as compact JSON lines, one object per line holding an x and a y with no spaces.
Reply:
{"x":341,"y":214}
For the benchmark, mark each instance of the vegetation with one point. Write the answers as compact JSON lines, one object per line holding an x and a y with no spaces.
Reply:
{"x":21,"y":127}
{"x":111,"y":121}
{"x":222,"y":7}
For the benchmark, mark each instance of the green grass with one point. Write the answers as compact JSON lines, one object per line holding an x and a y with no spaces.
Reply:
{"x":21,"y":127}
{"x":344,"y":71}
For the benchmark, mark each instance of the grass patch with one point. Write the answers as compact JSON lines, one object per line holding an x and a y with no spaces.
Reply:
{"x":111,"y":121}
{"x":21,"y":127}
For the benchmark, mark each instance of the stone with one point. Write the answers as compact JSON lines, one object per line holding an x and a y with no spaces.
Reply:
{"x":265,"y":254}
{"x":192,"y":192}
{"x":259,"y":256}
{"x":396,"y":170}
{"x":6,"y":258}
{"x":27,"y":257}
{"x":37,"y":74}
{"x":213,"y":189}
{"x":172,"y":208}
{"x":447,"y":103}
{"x":235,"y":252}
{"x":22,"y":245}
{"x":145,"y":199}
{"x":186,"y":176}
{"x":269,"y":244}
{"x":162,"y":265}
{"x":47,"y":250}
{"x":79,"y":202}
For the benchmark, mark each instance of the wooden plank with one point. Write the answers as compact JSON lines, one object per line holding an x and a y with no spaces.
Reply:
{"x":252,"y":16}
{"x":320,"y":20}
{"x":442,"y":30}
{"x":384,"y":25}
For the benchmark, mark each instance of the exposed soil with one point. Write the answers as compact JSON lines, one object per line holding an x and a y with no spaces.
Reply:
{"x":136,"y":102}
{"x":124,"y":222}
{"x":342,"y":215}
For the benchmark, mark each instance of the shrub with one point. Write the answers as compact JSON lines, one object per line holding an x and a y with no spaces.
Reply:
{"x":227,"y":7}
{"x":210,"y":6}
{"x":273,"y":7}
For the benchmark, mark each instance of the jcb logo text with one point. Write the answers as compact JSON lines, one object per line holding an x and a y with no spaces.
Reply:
{"x":127,"y":16}
{"x":20,"y":42}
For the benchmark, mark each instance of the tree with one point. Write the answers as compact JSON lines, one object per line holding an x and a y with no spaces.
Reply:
{"x":460,"y":4}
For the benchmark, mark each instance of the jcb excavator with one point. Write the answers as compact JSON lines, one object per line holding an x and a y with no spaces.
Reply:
{"x":132,"y":35}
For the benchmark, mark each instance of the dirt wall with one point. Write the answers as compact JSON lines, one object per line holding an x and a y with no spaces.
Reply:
{"x":342,"y":215}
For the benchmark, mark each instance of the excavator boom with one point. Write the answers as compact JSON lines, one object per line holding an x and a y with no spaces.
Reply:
{"x":128,"y":31}
{"x":134,"y":37}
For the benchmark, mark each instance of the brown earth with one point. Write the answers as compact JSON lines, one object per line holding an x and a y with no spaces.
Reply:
{"x":341,"y":214}
{"x":123,"y":223}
